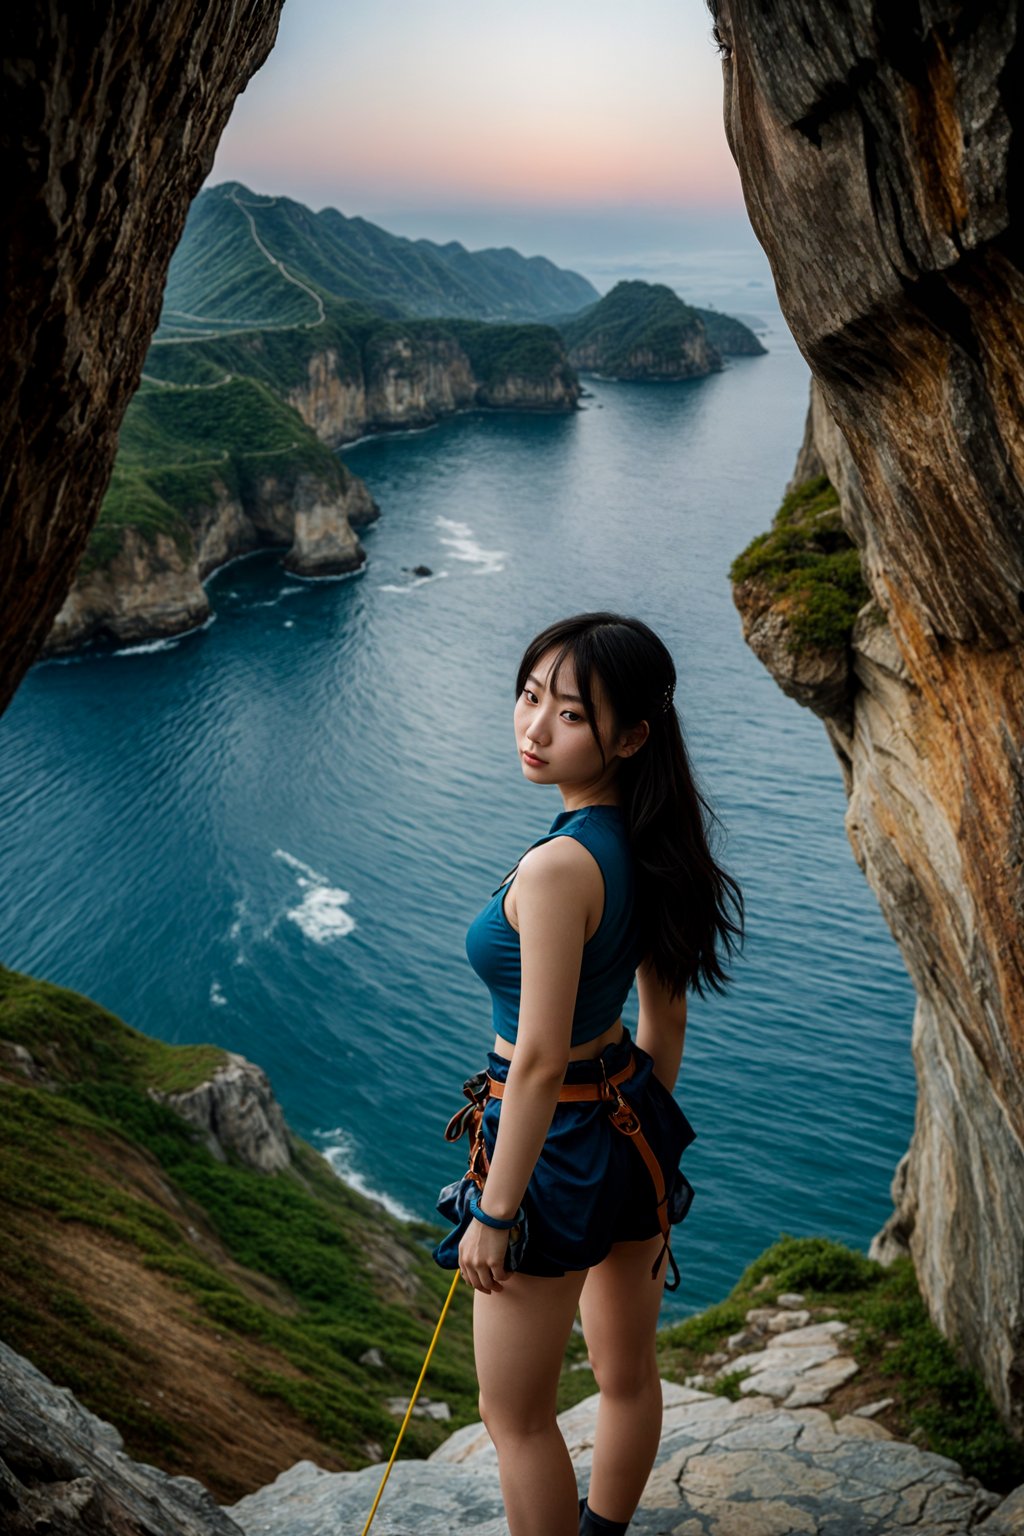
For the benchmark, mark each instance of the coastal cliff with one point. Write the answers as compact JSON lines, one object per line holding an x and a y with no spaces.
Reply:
{"x":881,"y":170}
{"x":144,"y":583}
{"x":228,"y":448}
{"x":413,"y":377}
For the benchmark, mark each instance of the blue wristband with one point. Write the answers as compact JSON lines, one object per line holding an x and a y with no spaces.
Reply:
{"x":492,"y":1221}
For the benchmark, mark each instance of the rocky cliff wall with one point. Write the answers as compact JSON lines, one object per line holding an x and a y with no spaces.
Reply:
{"x":237,"y":1113}
{"x":881,"y":160}
{"x":111,"y":117}
{"x":154,"y":585}
{"x":409,"y":381}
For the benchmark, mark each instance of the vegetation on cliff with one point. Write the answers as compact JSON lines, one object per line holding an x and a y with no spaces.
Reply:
{"x":939,"y":1403}
{"x":811,"y":566}
{"x":219,"y":270}
{"x":730,"y":336}
{"x":640,"y":330}
{"x":357,"y":339}
{"x":181,"y":449}
{"x":218,"y":1316}
{"x":503,"y":355}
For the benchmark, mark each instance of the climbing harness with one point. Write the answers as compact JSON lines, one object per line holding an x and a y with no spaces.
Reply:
{"x":482,"y":1086}
{"x":412,"y":1401}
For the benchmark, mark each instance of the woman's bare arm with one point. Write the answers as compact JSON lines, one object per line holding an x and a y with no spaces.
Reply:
{"x":553,"y":896}
{"x":661,"y":1028}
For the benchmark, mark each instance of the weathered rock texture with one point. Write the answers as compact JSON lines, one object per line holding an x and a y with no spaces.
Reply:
{"x":413,"y":381}
{"x":881,"y":155}
{"x":63,"y":1470}
{"x":237,"y":1112}
{"x":723,"y":1468}
{"x":154,"y":585}
{"x":111,"y":117}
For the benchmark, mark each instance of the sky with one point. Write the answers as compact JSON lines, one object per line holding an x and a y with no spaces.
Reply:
{"x":589,"y":131}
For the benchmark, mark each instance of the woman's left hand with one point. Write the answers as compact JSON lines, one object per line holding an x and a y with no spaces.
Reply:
{"x":482,"y":1257}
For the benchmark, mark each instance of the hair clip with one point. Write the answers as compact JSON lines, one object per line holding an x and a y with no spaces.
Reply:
{"x":667,"y":697}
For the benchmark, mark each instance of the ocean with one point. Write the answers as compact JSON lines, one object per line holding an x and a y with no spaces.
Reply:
{"x":272,"y":833}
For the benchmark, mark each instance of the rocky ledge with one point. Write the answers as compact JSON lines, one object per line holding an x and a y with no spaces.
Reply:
{"x":748,"y":1467}
{"x":237,"y":1112}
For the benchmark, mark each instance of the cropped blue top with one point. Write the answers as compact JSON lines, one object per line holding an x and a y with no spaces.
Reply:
{"x":611,"y":954}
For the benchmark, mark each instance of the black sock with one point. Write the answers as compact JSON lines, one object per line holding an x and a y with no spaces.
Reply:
{"x":597,"y":1525}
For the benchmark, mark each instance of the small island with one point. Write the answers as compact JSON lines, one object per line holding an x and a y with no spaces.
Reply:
{"x":645,"y":331}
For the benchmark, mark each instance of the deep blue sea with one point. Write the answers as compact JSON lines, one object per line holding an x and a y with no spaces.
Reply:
{"x":273,"y":833}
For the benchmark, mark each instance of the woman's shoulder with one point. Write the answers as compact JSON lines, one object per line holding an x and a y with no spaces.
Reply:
{"x":563,"y":862}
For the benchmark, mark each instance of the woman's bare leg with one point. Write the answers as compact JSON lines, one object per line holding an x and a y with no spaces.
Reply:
{"x":619,"y":1311}
{"x":519,"y":1336}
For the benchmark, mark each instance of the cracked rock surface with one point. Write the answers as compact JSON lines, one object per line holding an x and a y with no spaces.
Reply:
{"x":745,"y":1468}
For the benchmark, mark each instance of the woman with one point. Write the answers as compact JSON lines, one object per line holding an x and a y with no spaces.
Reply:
{"x":623,"y":887}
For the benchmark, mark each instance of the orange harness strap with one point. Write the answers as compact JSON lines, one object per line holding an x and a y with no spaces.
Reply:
{"x":484,"y":1086}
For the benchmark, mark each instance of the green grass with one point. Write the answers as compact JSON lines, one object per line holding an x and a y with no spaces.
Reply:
{"x":942,"y":1403}
{"x":64,"y":1152}
{"x":182,"y":449}
{"x":808,"y":562}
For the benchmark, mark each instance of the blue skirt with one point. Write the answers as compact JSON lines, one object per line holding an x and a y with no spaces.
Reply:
{"x":590,"y":1187}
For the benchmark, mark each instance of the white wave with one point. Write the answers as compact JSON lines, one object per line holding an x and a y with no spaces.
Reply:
{"x":289,"y":624}
{"x":409,"y":586}
{"x":217,"y":997}
{"x":370,"y":437}
{"x":166,"y":643}
{"x":338,"y":1149}
{"x":236,"y":926}
{"x":463,"y":545}
{"x":341,"y":576}
{"x":321,"y":913}
{"x":294,"y":863}
{"x":241,"y":910}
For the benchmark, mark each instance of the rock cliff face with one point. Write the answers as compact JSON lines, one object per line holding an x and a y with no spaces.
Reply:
{"x":413,"y":382}
{"x":111,"y":120}
{"x":237,"y":1112}
{"x":153,"y":587}
{"x":882,"y":169}
{"x":65,"y":1471}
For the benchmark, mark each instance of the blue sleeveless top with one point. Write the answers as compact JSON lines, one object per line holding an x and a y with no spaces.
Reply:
{"x":611,"y":954}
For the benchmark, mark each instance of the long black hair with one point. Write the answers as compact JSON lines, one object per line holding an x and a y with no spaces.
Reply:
{"x":687,"y":906}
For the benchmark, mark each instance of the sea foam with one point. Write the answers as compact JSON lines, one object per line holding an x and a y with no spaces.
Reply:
{"x":463,"y":544}
{"x":321,"y":913}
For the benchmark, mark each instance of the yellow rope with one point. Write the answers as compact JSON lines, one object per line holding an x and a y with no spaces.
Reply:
{"x":412,"y":1401}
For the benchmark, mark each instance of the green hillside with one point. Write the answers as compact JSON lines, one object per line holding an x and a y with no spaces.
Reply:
{"x":651,"y":316}
{"x":251,"y":261}
{"x":356,"y":336}
{"x":637,"y":321}
{"x":730,"y":336}
{"x":179,"y":446}
{"x":217,"y":1315}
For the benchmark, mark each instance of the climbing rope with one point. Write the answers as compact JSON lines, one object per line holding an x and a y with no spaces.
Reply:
{"x":412,"y":1401}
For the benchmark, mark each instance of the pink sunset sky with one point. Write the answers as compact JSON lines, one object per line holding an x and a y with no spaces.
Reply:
{"x":580,"y":129}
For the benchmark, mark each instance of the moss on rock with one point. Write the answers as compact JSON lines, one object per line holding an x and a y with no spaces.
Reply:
{"x":810,"y":565}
